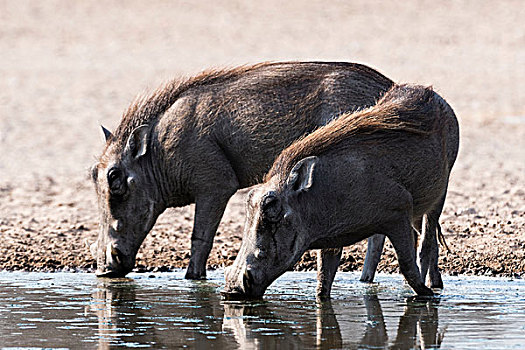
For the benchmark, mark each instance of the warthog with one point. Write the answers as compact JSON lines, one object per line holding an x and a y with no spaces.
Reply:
{"x":376,"y":171}
{"x":199,"y":140}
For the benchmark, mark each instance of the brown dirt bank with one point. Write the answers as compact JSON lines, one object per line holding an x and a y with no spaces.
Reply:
{"x":67,"y":65}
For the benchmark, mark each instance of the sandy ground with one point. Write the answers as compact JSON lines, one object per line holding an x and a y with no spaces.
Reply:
{"x":67,"y":66}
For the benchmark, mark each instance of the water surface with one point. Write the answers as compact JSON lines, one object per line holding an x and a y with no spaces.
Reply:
{"x":64,"y":310}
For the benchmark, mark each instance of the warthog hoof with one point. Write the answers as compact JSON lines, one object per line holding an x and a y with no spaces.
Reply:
{"x":190,"y":275}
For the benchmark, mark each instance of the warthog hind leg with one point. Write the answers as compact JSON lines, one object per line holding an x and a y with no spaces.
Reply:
{"x":402,"y":239}
{"x":373,"y":254}
{"x":429,"y":247}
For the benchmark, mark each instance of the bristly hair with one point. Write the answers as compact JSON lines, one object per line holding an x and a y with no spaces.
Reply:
{"x":403,"y":109}
{"x":147,"y":108}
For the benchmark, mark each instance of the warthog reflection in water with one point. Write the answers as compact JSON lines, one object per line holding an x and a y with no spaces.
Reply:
{"x":417,"y":327}
{"x":128,"y":314}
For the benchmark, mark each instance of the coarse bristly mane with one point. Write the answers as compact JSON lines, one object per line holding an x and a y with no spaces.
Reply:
{"x":403,"y":109}
{"x":147,"y":108}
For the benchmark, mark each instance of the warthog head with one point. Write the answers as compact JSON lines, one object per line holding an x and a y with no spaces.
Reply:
{"x":275,"y":234}
{"x":127,"y":201}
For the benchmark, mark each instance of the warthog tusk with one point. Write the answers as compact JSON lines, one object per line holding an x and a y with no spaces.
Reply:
{"x":114,"y":254}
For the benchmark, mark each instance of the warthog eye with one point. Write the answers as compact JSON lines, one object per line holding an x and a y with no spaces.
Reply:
{"x":117,"y":185}
{"x":271,"y":207}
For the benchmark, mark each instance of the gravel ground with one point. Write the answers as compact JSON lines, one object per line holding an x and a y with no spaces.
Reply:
{"x":68,"y":65}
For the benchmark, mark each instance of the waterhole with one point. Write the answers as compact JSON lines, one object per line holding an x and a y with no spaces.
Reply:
{"x":67,"y":310}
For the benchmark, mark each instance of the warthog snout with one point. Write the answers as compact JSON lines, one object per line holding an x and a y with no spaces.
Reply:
{"x":115,"y":264}
{"x":233,"y":287}
{"x":240,"y":284}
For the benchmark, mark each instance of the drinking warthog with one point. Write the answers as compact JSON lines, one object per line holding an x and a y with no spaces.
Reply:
{"x":378,"y":170}
{"x":201,"y":139}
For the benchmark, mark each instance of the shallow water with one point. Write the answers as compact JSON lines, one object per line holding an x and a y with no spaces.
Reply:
{"x":64,"y":310}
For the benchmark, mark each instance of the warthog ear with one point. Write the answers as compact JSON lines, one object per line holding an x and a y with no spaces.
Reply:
{"x":107,"y":133}
{"x":301,"y":177}
{"x":137,"y":145}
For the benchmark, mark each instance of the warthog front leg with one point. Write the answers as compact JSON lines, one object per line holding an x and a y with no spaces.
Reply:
{"x":373,"y":254}
{"x":327,"y":264}
{"x":208,"y":214}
